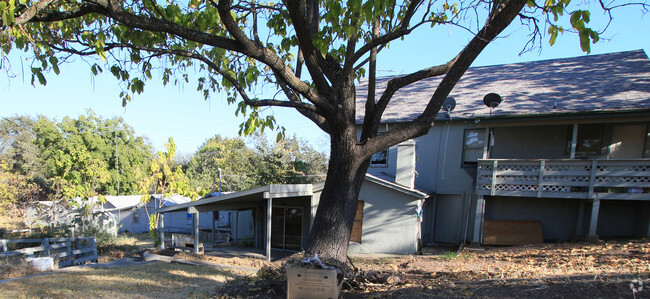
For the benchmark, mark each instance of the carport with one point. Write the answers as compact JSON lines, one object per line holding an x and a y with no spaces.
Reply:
{"x":282,"y":214}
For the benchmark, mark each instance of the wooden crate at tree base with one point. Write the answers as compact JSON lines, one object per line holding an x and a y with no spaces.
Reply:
{"x":312,"y":283}
{"x":512,"y":232}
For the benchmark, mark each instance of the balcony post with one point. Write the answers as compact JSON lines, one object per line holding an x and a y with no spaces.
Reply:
{"x":495,"y":165}
{"x":540,"y":177}
{"x":592,"y":178}
{"x":593,"y":222}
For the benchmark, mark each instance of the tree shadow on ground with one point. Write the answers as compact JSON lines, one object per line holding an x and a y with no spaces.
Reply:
{"x":584,"y":286}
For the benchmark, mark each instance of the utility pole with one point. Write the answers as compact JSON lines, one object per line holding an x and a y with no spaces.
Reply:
{"x":117,"y":164}
{"x":219,"y":169}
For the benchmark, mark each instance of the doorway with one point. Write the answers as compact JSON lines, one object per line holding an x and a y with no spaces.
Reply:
{"x":286,"y":228}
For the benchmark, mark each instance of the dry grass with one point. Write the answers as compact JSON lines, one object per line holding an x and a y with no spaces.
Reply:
{"x":156,"y":280}
{"x":11,"y":267}
{"x":124,"y":245}
{"x":11,"y":218}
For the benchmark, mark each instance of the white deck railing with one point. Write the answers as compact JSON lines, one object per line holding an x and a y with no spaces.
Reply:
{"x":606,"y":179}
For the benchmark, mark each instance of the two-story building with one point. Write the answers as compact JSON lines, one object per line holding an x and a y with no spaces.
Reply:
{"x":564,"y":142}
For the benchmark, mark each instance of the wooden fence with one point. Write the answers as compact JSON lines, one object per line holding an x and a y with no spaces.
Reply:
{"x":66,"y":251}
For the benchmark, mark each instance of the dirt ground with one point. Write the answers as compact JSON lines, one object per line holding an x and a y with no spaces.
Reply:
{"x":234,"y":261}
{"x":614,"y":269}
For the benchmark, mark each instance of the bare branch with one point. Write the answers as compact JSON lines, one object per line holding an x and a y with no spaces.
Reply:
{"x":28,"y":14}
{"x":314,"y":61}
{"x":497,"y":22}
{"x":370,"y":109}
{"x":268,"y":57}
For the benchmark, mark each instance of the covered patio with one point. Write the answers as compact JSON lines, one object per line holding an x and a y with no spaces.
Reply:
{"x":282,"y":215}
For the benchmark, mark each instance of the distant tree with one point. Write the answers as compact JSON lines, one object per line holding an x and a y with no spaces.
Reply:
{"x":71,"y":167}
{"x":15,"y":189}
{"x":260,"y":163}
{"x":236,"y":161}
{"x":288,"y":161}
{"x":17,"y":147}
{"x":163,"y":178}
{"x":108,"y":144}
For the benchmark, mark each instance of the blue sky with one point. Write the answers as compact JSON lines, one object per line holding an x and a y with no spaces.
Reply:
{"x":182,"y":113}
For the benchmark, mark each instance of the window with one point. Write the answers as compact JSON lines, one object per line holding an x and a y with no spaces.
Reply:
{"x":473,"y":143}
{"x":136,"y":217}
{"x":589,"y":140}
{"x":380,"y":158}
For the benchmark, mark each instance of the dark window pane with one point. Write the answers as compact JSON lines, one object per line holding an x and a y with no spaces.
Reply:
{"x":473,"y":143}
{"x":380,"y":158}
{"x":589,"y":140}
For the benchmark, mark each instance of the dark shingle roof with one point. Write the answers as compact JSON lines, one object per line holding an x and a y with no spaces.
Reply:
{"x":606,"y":82}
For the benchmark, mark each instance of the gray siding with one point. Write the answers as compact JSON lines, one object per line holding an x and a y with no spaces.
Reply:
{"x":390,"y":223}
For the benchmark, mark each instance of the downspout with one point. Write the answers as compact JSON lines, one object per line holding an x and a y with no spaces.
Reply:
{"x":419,"y":212}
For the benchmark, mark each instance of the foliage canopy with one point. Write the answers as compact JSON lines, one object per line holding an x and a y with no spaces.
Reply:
{"x":262,"y":163}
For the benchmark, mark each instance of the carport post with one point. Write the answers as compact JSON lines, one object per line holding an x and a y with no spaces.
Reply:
{"x":197,"y":236}
{"x":195,"y":227}
{"x":214,"y":215}
{"x":161,"y":227}
{"x":236,"y":226}
{"x":269,"y":204}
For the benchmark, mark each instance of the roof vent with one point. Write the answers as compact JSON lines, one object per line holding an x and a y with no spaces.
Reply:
{"x":449,"y":104}
{"x":492,"y":100}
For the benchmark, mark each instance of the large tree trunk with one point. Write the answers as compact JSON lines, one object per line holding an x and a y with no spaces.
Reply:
{"x":348,"y":164}
{"x":332,"y":227}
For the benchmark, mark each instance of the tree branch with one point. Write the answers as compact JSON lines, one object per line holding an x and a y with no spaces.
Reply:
{"x":401,"y":30}
{"x":496,"y":23}
{"x":368,"y":129}
{"x":313,"y":59}
{"x":32,"y":11}
{"x":53,"y":16}
{"x":268,"y":57}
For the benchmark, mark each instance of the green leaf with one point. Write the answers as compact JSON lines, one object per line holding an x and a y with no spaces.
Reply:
{"x":584,"y":41}
{"x":41,"y":78}
{"x":38,"y":72}
{"x":54,"y":62}
{"x":575,"y":17}
{"x":553,"y":32}
{"x":594,"y":36}
{"x":115,"y":70}
{"x":585,"y":16}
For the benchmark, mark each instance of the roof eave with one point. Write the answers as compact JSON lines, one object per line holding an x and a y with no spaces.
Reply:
{"x":567,"y":115}
{"x":268,"y":191}
{"x":397,"y":187}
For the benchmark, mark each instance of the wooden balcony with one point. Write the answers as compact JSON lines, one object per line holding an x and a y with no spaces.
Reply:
{"x":602,"y":179}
